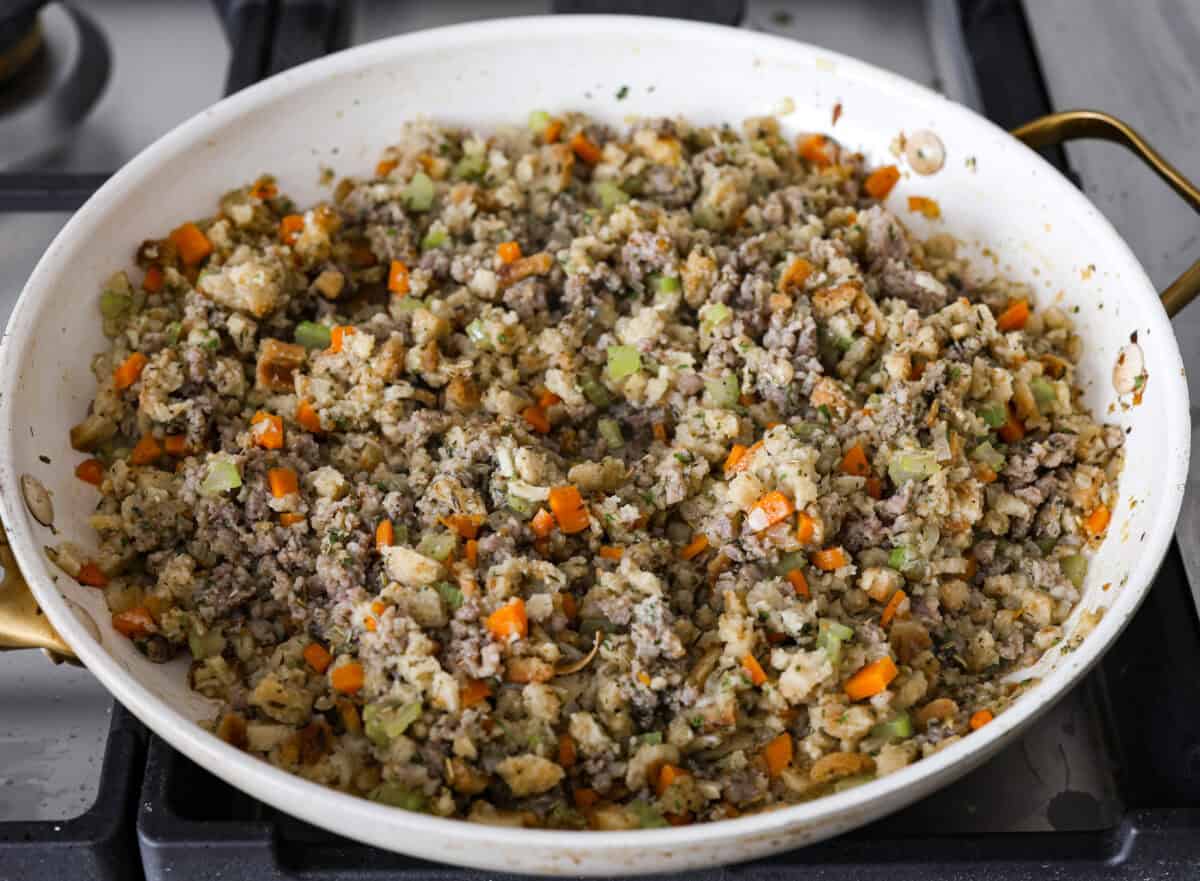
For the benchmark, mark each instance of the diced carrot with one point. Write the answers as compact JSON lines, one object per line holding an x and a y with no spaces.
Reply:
{"x":385,"y":167}
{"x":815,"y":148}
{"x":880,"y":181}
{"x":984,"y":473}
{"x":660,"y":431}
{"x":542,"y":523}
{"x":874,"y":487}
{"x":370,"y":623}
{"x":570,"y":606}
{"x":1097,"y":521}
{"x":1012,"y":430}
{"x":536,"y":417}
{"x":733,"y":462}
{"x":871,"y":679}
{"x":398,"y":278}
{"x":192,"y":245}
{"x":463,"y":525}
{"x":317,"y":657}
{"x":830,"y":559}
{"x":926,"y":206}
{"x":92,"y":575}
{"x":1014,"y":317}
{"x":378,"y":607}
{"x":893,"y":605}
{"x":264,"y":188}
{"x":552,"y":131}
{"x":283,"y":482}
{"x":609,"y":552}
{"x":134,"y":622}
{"x":385,"y":534}
{"x":806,"y":528}
{"x":698,"y":545}
{"x":855,"y":462}
{"x":644,"y":678}
{"x":567,"y":753}
{"x":270,"y":435}
{"x":337,"y":335}
{"x":980,"y":718}
{"x":129,"y":371}
{"x":307,"y":417}
{"x":290,"y":518}
{"x":508,"y":252}
{"x":569,"y":510}
{"x":585,"y":798}
{"x":585,"y":148}
{"x":146,"y":451}
{"x":289,"y":228}
{"x":348,"y":678}
{"x":471,"y":553}
{"x":778,"y":754}
{"x":795,"y":275}
{"x":509,"y":620}
{"x":548,"y":399}
{"x":799,"y":582}
{"x":769,"y":510}
{"x":175,"y":445}
{"x":751,"y":666}
{"x":154,"y":279}
{"x":475,"y":691}
{"x":90,"y":471}
{"x":667,"y":774}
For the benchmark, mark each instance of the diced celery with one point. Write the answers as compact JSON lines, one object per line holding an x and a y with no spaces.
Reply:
{"x":652,"y":738}
{"x":594,"y":391}
{"x":609,"y":195}
{"x":994,"y":414}
{"x":610,"y":430}
{"x":805,"y":431}
{"x":114,"y":304}
{"x":1075,"y":567}
{"x":723,"y":392}
{"x":312,"y":335}
{"x":912,"y":465}
{"x":222,"y":476}
{"x":207,"y":644}
{"x":648,"y":816}
{"x":1043,"y":392}
{"x":409,"y":304}
{"x":470,"y":167}
{"x":433,"y":239}
{"x":830,"y":636}
{"x":900,"y":558}
{"x":383,"y":723}
{"x":173,"y":330}
{"x":398,"y":796}
{"x":713,"y":315}
{"x":665,"y":284}
{"x":418,"y":195}
{"x":450,"y":594}
{"x":788,"y":562}
{"x":623,"y":361}
{"x":439,"y":545}
{"x":899,"y":727}
{"x":477,"y":333}
{"x":538,"y":120}
{"x":989,"y":456}
{"x":518,"y":505}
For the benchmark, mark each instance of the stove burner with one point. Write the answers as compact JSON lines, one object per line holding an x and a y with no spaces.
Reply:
{"x":54,"y":65}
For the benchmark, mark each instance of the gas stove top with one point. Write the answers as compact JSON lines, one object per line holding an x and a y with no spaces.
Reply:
{"x":1107,"y":784}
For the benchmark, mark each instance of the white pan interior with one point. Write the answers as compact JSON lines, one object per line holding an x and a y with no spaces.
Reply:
{"x":341,"y":111}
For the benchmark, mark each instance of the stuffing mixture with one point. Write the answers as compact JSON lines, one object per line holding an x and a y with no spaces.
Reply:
{"x":580,"y":478}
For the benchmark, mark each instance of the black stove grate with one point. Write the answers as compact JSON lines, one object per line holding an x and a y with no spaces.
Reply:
{"x":1141,"y":702}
